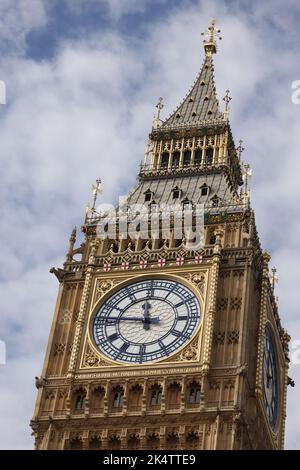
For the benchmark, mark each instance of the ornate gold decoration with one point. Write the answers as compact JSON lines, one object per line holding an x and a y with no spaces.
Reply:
{"x":198,"y":279}
{"x":102,"y":287}
{"x":91,"y":359}
{"x":189,"y":353}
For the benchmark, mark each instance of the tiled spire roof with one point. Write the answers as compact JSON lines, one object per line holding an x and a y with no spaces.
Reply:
{"x":201,"y":102}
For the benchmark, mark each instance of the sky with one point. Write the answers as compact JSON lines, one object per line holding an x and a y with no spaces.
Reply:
{"x":82,"y":80}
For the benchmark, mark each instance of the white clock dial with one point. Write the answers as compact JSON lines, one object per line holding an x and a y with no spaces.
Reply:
{"x":146,"y":321}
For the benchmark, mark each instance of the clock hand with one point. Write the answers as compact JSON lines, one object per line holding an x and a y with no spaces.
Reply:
{"x":146,"y":306}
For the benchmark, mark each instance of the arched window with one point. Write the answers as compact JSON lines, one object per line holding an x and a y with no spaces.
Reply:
{"x":176,"y":192}
{"x":192,"y":441}
{"x":117,"y":397}
{"x":114,"y":442}
{"x":153,"y":441}
{"x":172,"y":441}
{"x":95,"y":443}
{"x":97,"y":399}
{"x":79,"y":399}
{"x":175,"y":160}
{"x":198,"y":157}
{"x":187,"y":158}
{"x":165,"y":160}
{"x":215,"y":201}
{"x":209,"y":155}
{"x":155,"y":395}
{"x":135,"y":398}
{"x":204,"y":190}
{"x":148,"y":195}
{"x":174,"y":395}
{"x":194,"y":393}
{"x":76,"y":443}
{"x":133,"y":442}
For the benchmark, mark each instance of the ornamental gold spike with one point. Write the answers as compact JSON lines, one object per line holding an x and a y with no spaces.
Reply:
{"x":210,"y":37}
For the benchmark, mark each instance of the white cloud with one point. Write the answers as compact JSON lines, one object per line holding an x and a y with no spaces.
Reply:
{"x":17,"y":19}
{"x":86,"y":113}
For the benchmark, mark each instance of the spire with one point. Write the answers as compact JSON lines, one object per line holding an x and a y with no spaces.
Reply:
{"x":210,"y":36}
{"x":200,"y":106}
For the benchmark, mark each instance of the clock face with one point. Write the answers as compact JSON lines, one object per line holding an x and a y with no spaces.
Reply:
{"x":146,"y":321}
{"x":270,"y":378}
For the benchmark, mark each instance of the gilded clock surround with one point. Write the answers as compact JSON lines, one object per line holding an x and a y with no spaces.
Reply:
{"x":89,"y":343}
{"x":209,"y":393}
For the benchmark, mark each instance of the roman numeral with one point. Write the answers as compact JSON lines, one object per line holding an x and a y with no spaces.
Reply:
{"x":162,"y":346}
{"x":180,"y":303}
{"x":142,"y":349}
{"x":124,"y":347}
{"x":182,"y":317}
{"x":179,"y":334}
{"x":113,"y":337}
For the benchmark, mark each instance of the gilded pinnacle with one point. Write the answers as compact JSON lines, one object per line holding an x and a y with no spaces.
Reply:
{"x":210,"y":37}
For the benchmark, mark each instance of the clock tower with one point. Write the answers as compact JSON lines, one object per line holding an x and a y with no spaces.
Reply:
{"x":166,"y":332}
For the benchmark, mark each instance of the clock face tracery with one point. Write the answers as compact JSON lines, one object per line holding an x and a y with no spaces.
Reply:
{"x":270,"y":378}
{"x":146,"y":321}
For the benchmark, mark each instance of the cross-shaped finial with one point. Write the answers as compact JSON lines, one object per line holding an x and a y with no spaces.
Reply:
{"x":159,"y":107}
{"x":240,"y":149}
{"x":96,"y":189}
{"x":227,"y":100}
{"x":274,"y":278}
{"x":210,"y":36}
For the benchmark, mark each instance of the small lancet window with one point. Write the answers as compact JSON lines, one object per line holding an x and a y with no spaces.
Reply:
{"x":176,"y":159}
{"x":148,"y":195}
{"x":204,"y":190}
{"x":178,"y":115}
{"x":176,"y":193}
{"x":209,"y":111}
{"x":215,"y":201}
{"x":191,"y":100}
{"x":164,"y":159}
{"x":194,"y":113}
{"x":198,"y":157}
{"x":202,"y":83}
{"x":209,"y":155}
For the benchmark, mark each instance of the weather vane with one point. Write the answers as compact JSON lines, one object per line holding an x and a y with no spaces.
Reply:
{"x":210,"y":36}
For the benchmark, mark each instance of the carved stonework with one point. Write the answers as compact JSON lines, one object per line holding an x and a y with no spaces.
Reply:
{"x":103,"y":286}
{"x":189,"y":353}
{"x":91,"y":359}
{"x":198,"y":279}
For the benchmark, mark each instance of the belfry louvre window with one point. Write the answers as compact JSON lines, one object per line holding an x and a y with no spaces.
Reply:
{"x":176,"y":158}
{"x":187,"y":158}
{"x":164,"y":160}
{"x":209,"y":155}
{"x":198,"y":157}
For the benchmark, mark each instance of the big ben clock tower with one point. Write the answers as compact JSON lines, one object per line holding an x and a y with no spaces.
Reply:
{"x":162,"y":341}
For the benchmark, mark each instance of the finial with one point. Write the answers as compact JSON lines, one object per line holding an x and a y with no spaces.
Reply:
{"x":210,"y":36}
{"x":72,"y":242}
{"x":96,"y":188}
{"x":274,"y":278}
{"x":227,"y":98}
{"x":247,"y":173}
{"x":240,"y":149}
{"x":159,"y":107}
